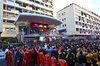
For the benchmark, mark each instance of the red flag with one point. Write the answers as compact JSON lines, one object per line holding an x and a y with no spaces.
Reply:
{"x":34,"y":41}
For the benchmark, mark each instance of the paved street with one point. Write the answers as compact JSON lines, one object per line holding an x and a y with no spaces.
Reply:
{"x":3,"y":62}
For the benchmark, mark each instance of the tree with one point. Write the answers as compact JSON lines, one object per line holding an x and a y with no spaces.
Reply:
{"x":11,"y":40}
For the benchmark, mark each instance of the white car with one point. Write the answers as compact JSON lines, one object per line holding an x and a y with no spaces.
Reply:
{"x":2,"y":54}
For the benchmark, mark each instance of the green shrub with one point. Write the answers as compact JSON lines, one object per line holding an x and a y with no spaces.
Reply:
{"x":11,"y":40}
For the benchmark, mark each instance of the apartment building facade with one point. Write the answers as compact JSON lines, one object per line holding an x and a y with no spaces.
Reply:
{"x":78,"y":21}
{"x":11,"y":9}
{"x":1,"y":14}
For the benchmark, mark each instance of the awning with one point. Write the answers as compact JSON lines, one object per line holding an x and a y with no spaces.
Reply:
{"x":10,"y":6}
{"x":10,"y":20}
{"x":18,"y":1}
{"x":18,"y":8}
{"x":37,"y":1}
{"x":37,"y":18}
{"x":85,"y":14}
{"x":82,"y":12}
{"x":36,"y":6}
{"x":4,"y":4}
{"x":11,"y":1}
{"x":61,"y":30}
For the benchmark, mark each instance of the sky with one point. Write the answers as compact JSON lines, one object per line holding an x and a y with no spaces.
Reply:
{"x":91,"y":5}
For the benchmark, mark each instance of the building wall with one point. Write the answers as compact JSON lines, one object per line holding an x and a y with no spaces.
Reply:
{"x":11,"y":9}
{"x":1,"y":15}
{"x":90,"y":24}
{"x":68,"y":20}
{"x":79,"y":21}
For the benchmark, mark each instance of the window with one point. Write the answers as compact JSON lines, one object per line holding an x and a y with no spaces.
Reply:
{"x":7,"y":29}
{"x":76,"y":29}
{"x":46,"y":5}
{"x":3,"y":21}
{"x":64,"y":19}
{"x":65,"y":25}
{"x":76,"y":22}
{"x":80,"y":23}
{"x":42,"y":4}
{"x":10,"y":22}
{"x":59,"y":15}
{"x":59,"y":26}
{"x":9,"y":8}
{"x":11,"y":30}
{"x":62,"y":14}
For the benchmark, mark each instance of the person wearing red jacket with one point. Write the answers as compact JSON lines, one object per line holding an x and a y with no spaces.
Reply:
{"x":37,"y":50}
{"x":24,"y":56}
{"x":53,"y":61}
{"x":47,"y":59}
{"x":29,"y":57}
{"x":8,"y":53}
{"x":62,"y":62}
{"x":15,"y":63}
{"x":41,"y":56}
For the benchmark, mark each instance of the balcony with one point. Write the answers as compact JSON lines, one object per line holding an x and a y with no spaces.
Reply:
{"x":16,"y":4}
{"x":15,"y":11}
{"x":13,"y":18}
{"x":30,"y":8}
{"x":4,"y":15}
{"x":8,"y":34}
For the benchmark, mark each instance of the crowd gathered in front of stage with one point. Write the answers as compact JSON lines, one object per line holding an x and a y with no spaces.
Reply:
{"x":54,"y":54}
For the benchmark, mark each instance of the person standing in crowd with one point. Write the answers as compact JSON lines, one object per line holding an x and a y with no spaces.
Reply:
{"x":62,"y":62}
{"x":70,"y":57}
{"x":62,"y":54}
{"x":98,"y":63}
{"x":37,"y":50}
{"x":24,"y":56}
{"x":81,"y":59}
{"x":41,"y":56}
{"x":88,"y":58}
{"x":8,"y":53}
{"x":29,"y":57}
{"x":15,"y":62}
{"x":53,"y":61}
{"x":47,"y":59}
{"x":57,"y":53}
{"x":49,"y":50}
{"x":53,"y":52}
{"x":34,"y":55}
{"x":18,"y":58}
{"x":95,"y":54}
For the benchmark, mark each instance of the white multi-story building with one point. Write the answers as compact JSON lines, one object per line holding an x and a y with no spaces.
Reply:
{"x":1,"y":21}
{"x":11,"y":9}
{"x":78,"y":21}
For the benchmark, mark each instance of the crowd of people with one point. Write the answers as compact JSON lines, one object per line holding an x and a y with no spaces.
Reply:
{"x":55,"y":53}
